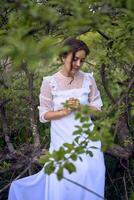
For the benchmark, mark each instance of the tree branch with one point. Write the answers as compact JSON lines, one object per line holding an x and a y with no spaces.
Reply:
{"x":103,"y":78}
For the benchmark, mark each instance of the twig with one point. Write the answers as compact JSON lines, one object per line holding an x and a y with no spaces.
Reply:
{"x":130,"y":178}
{"x":85,"y":188}
{"x":124,"y":181}
{"x":19,"y":176}
{"x":103,"y":35}
{"x":112,"y":182}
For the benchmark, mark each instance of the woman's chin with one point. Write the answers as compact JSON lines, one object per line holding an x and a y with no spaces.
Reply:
{"x":73,"y":72}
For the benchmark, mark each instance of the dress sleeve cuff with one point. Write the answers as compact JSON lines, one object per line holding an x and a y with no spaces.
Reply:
{"x":42,"y":112}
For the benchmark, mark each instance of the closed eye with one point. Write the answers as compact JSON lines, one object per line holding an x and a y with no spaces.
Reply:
{"x":76,"y":58}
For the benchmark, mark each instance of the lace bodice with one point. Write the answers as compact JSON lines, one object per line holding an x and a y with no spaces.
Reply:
{"x":58,"y":82}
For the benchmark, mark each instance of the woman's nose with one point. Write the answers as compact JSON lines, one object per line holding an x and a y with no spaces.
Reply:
{"x":78,"y":63}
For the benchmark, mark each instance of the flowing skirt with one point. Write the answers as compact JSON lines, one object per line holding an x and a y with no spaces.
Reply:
{"x":90,"y":174}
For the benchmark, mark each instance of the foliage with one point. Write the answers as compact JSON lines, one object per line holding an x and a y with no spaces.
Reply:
{"x":63,"y":158}
{"x":31,"y":32}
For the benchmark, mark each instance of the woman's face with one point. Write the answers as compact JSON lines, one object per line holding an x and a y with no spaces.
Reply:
{"x":73,"y":64}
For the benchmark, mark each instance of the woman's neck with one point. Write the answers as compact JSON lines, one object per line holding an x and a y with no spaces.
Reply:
{"x":64,"y":72}
{"x":71,"y":74}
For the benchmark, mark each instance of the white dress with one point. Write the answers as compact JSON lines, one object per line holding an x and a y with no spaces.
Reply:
{"x":90,"y":172}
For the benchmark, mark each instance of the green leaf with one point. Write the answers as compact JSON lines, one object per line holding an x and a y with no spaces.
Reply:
{"x":77,"y":139}
{"x":93,"y":147}
{"x":59,"y":155}
{"x":49,"y":168}
{"x":77,"y":132}
{"x":43,"y":159}
{"x":78,"y":115}
{"x":90,"y":153}
{"x":60,"y":173}
{"x":69,"y":146}
{"x":84,"y":119}
{"x":86,"y":125}
{"x":79,"y":150}
{"x":70,"y":167}
{"x":80,"y":158}
{"x":73,"y":156}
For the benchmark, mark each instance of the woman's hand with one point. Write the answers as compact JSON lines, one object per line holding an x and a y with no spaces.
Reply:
{"x":72,"y":104}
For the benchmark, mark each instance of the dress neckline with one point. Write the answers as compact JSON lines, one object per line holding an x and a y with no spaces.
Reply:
{"x":60,"y":75}
{"x":68,"y":77}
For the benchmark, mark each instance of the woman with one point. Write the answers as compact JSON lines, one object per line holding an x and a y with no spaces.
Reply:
{"x":68,"y":84}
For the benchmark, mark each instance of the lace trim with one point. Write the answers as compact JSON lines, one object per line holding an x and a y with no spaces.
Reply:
{"x":87,"y":82}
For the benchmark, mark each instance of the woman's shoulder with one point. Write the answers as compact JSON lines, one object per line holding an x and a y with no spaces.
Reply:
{"x":48,"y":79}
{"x":88,"y":78}
{"x":87,"y":75}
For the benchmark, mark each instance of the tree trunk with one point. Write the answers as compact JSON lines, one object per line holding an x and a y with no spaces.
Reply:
{"x":32,"y":109}
{"x":125,"y":148}
{"x":5,"y":126}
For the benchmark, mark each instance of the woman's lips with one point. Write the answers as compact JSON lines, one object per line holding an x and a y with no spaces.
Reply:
{"x":75,"y":68}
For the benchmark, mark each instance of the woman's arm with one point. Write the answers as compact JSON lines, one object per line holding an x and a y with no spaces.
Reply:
{"x":95,"y":102}
{"x":50,"y":115}
{"x":46,"y":110}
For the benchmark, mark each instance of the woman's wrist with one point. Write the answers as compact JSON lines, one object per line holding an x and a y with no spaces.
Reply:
{"x":56,"y":114}
{"x":64,"y":112}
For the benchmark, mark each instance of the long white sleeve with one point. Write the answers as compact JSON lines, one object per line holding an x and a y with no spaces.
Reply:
{"x":94,"y":96}
{"x":45,"y":99}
